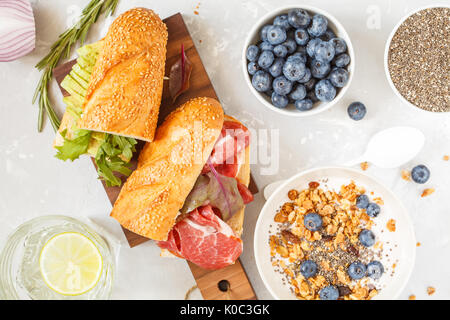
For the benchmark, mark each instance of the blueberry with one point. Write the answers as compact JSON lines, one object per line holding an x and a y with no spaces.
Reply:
{"x":299,"y":18}
{"x":375,"y":270}
{"x":276,"y":35}
{"x":306,"y":77}
{"x":304,"y":105}
{"x":338,"y":77}
{"x":310,"y":85}
{"x":299,"y":56}
{"x":367,"y":238}
{"x":341,"y":60}
{"x":420,"y":174}
{"x":339,"y":45}
{"x":308,"y":269}
{"x":324,"y":51}
{"x":298,"y":93}
{"x":294,"y":69}
{"x":312,"y":221}
{"x":362,"y":201}
{"x":266,"y":58}
{"x":311,"y":46}
{"x":329,"y":293}
{"x":356,"y":111}
{"x":373,"y":210}
{"x":325,"y":91}
{"x":301,"y":37}
{"x":357,"y":270}
{"x":264,"y":32}
{"x":252,"y":52}
{"x":291,"y":45}
{"x":328,"y":35}
{"x":276,"y":69}
{"x":319,"y":69}
{"x":318,"y":26}
{"x":280,"y":51}
{"x":282,"y":86}
{"x":282,"y":21}
{"x":262,"y":81}
{"x":279,"y":101}
{"x":265,"y":46}
{"x":252,"y":67}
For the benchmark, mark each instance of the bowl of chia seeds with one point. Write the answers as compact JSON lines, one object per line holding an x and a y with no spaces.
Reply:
{"x":417,"y":56}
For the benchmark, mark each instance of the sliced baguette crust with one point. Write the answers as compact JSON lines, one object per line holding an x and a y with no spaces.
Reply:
{"x":125,"y":88}
{"x":168,"y":168}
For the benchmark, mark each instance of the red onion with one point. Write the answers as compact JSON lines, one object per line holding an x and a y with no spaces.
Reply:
{"x":17,"y":29}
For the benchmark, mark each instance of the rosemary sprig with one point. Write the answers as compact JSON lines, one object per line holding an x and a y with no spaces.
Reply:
{"x":61,"y":49}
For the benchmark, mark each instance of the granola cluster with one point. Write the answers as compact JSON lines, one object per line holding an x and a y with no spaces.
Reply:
{"x":333,"y":248}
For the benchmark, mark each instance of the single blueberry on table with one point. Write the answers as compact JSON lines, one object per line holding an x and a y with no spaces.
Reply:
{"x":319,"y":69}
{"x":252,"y":67}
{"x":367,"y":238}
{"x":262,"y":81}
{"x":312,"y":221}
{"x":301,"y":37}
{"x":339,"y":77}
{"x":265,"y":46}
{"x":282,"y":86}
{"x":329,"y":293}
{"x":341,"y":60}
{"x":252,"y":52}
{"x":375,"y":270}
{"x":276,"y":69}
{"x":340,"y":46}
{"x":325,"y":91}
{"x":362,"y":201}
{"x":373,"y":209}
{"x":298,"y":93}
{"x":266,"y":59}
{"x":306,"y":77}
{"x":299,"y":18}
{"x":294,"y":69}
{"x":304,"y":105}
{"x":328,"y":35}
{"x":282,"y":21}
{"x":318,"y":26}
{"x":357,"y":270}
{"x":308,"y":269}
{"x":291,"y":45}
{"x":280,"y":51}
{"x":324,"y":51}
{"x":264,"y":30}
{"x":279,"y":101}
{"x":276,"y":35}
{"x":356,"y":111}
{"x":420,"y":174}
{"x":311,"y":46}
{"x":297,"y":56}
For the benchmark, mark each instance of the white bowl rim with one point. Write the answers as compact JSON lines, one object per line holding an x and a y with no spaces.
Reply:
{"x":307,"y":171}
{"x":386,"y":54}
{"x":316,"y":109}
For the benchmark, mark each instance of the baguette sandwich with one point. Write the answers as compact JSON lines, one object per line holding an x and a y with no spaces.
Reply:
{"x":191,"y":185}
{"x":115,"y":93}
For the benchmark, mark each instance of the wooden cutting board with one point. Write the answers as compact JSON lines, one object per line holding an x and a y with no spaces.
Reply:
{"x":228,"y":283}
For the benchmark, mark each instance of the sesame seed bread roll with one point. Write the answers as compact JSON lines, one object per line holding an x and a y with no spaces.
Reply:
{"x":168,"y":168}
{"x":125,"y":89}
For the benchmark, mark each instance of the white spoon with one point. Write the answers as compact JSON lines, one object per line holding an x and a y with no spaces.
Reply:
{"x":389,"y":148}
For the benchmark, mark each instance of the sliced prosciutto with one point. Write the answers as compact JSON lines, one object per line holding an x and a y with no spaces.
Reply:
{"x":204,"y":239}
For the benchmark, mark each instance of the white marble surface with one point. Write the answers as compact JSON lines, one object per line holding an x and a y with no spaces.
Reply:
{"x":34,"y":183}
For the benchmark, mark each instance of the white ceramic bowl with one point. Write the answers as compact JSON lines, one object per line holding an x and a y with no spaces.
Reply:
{"x":399,"y":245}
{"x":386,"y":54}
{"x":254,"y":37}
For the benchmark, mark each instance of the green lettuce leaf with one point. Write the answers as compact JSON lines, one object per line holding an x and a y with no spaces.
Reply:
{"x":72,"y":149}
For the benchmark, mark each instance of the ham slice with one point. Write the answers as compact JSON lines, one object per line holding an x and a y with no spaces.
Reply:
{"x":204,"y":239}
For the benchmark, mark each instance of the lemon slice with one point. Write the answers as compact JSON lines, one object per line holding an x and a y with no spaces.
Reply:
{"x":70,"y":263}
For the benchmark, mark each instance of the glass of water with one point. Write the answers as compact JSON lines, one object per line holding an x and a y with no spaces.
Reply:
{"x":56,"y":258}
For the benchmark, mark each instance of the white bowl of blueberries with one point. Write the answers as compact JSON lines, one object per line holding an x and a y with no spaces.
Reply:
{"x":298,"y":61}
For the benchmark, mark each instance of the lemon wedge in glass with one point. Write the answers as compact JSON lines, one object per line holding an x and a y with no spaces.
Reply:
{"x":70,"y":263}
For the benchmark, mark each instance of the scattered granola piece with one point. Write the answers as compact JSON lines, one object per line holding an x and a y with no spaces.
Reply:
{"x":364,"y":165}
{"x":427,"y":192}
{"x":412,"y":297}
{"x":390,"y":225}
{"x":406,"y":175}
{"x":431,"y":290}
{"x":292,"y":194}
{"x":418,"y":244}
{"x":196,"y":12}
{"x":314,"y":184}
{"x":446,"y":158}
